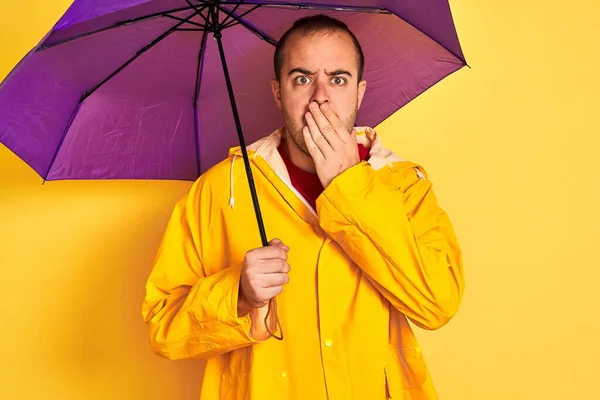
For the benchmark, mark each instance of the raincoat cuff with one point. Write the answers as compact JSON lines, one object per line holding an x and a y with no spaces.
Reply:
{"x":349,"y":186}
{"x":253,"y":323}
{"x":241,"y":324}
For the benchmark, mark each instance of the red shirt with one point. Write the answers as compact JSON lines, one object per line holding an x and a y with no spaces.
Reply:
{"x":307,"y":183}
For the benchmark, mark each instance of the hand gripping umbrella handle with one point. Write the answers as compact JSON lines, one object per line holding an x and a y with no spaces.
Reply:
{"x":259,"y":220}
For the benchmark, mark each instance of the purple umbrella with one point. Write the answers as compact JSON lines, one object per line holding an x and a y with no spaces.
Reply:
{"x":133,"y":89}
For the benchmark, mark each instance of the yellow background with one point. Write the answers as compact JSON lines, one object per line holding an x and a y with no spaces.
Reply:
{"x":510,"y":144}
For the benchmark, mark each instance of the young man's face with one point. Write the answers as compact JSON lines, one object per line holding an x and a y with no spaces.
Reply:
{"x":318,"y":67}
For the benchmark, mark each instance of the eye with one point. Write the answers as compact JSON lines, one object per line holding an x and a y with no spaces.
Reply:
{"x":338,"y":80}
{"x":302,"y":80}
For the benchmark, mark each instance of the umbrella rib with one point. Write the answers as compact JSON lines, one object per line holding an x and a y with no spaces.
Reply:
{"x":139,"y":53}
{"x":234,"y":22}
{"x":199,"y":11}
{"x":377,"y":10}
{"x":251,"y":28}
{"x":231,"y":24}
{"x":62,"y":138}
{"x":182,"y":20}
{"x":380,"y":10}
{"x":90,"y":92}
{"x":114,"y":26}
{"x":196,"y":95}
{"x":434,"y":40}
{"x":224,"y":22}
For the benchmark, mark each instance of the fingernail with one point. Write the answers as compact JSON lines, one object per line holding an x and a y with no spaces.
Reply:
{"x":324,"y":106}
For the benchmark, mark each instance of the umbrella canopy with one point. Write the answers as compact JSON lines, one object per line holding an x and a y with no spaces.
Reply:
{"x":135,"y":89}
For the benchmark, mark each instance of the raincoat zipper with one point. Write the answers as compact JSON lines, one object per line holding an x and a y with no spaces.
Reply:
{"x":298,"y":194}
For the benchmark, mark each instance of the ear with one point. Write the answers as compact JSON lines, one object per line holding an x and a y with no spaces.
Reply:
{"x":275,"y":88}
{"x":362,"y":86}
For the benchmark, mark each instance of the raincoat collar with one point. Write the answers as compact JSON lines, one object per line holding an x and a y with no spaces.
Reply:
{"x":266,"y":148}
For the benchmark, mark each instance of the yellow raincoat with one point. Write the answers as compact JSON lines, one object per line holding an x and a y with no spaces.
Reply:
{"x":377,"y":250}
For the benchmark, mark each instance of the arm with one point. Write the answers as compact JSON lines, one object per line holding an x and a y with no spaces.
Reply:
{"x":192,"y":314}
{"x":389,"y":223}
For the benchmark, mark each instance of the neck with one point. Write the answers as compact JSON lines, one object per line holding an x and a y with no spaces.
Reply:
{"x":299,"y":158}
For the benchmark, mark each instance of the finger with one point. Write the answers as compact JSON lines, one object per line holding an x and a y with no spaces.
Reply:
{"x":271,"y":292}
{"x":274,"y":280}
{"x":278,"y":242}
{"x":273,"y":253}
{"x":321,"y":140}
{"x":324,"y":126}
{"x":334,"y":121}
{"x":265,"y":253}
{"x":275,"y":267}
{"x":318,"y":138}
{"x":312,"y":147}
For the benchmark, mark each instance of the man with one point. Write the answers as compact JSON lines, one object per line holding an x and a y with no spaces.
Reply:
{"x":361,"y":246}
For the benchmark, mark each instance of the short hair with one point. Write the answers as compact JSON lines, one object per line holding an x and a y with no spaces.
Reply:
{"x":314,"y":24}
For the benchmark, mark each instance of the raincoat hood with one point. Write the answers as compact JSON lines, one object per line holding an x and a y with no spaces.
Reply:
{"x":266,"y":148}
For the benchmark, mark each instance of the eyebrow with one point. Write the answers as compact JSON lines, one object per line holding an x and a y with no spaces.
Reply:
{"x":332,"y":73}
{"x":301,"y":71}
{"x":339,"y":72}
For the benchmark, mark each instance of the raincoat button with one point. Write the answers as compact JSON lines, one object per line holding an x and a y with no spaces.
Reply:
{"x":283,"y":374}
{"x":328,"y":343}
{"x":418,"y":349}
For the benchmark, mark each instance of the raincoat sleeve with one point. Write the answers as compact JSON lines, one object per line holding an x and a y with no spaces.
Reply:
{"x":388,"y":221}
{"x":190,"y":313}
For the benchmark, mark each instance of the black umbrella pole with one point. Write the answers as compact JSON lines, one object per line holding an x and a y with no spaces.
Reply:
{"x":238,"y":125}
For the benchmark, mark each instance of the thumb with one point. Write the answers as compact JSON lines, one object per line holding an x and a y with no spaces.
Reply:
{"x":278,"y":242}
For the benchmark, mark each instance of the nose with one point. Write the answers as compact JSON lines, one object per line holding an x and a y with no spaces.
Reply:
{"x":320,"y":94}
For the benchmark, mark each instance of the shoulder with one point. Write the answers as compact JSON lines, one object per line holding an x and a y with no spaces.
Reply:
{"x":212,"y":185}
